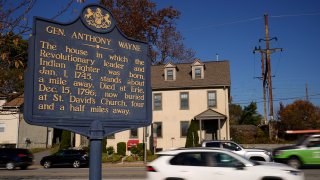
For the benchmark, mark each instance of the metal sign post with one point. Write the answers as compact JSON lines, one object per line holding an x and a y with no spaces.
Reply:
{"x":87,"y":77}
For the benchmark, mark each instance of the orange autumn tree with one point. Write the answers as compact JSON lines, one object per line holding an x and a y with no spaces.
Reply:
{"x":141,"y":20}
{"x":299,"y":115}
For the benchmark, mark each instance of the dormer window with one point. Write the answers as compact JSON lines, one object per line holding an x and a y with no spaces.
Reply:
{"x":197,"y":69}
{"x":170,"y":70}
{"x":169,"y":74}
{"x":197,"y":73}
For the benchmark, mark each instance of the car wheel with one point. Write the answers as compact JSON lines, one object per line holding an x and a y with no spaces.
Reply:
{"x":76,"y":164}
{"x":294,"y":162}
{"x":10,"y":166}
{"x":47,"y":164}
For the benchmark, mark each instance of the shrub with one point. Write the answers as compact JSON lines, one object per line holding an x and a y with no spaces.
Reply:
{"x":116,"y":158}
{"x":130,"y":158}
{"x":151,"y":157}
{"x":140,"y":149}
{"x":192,"y":136}
{"x":248,"y":134}
{"x":110,"y":150}
{"x":65,"y":140}
{"x":111,"y":158}
{"x":121,"y":148}
{"x":134,"y":150}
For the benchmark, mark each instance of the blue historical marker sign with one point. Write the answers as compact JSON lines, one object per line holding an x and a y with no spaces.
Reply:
{"x":87,"y":71}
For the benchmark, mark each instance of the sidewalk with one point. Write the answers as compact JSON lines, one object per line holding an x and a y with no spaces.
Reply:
{"x":38,"y":156}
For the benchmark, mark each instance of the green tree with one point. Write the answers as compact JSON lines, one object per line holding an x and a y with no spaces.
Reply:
{"x":65,"y":140}
{"x":235,"y":112}
{"x":104,"y":145}
{"x":140,"y":19}
{"x":192,"y":135}
{"x":249,"y":115}
{"x":121,"y":148}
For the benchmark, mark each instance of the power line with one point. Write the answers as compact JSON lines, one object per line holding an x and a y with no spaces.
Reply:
{"x":224,"y":24}
{"x":249,"y":20}
{"x":312,"y":96}
{"x":296,"y":15}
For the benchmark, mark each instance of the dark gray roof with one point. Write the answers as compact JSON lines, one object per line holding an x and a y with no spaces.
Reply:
{"x":216,"y":73}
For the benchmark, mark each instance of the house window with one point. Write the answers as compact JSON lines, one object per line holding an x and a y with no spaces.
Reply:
{"x":212,"y":100}
{"x":157,"y":101}
{"x":169,"y":74}
{"x":134,"y":133}
{"x":2,"y":127}
{"x":184,"y":100}
{"x":197,"y":73}
{"x":184,"y":125}
{"x":158,"y":129}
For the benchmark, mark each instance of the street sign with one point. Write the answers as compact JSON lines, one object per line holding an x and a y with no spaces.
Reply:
{"x":87,"y":76}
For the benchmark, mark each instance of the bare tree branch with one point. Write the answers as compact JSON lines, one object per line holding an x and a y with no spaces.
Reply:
{"x":63,"y":10}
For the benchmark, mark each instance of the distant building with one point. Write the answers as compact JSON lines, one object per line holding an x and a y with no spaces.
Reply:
{"x":15,"y":132}
{"x":180,"y":93}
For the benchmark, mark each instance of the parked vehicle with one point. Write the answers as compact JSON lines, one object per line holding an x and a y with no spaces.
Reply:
{"x":305,"y":153}
{"x":215,"y":163}
{"x":11,"y":158}
{"x":252,"y":154}
{"x":73,"y":157}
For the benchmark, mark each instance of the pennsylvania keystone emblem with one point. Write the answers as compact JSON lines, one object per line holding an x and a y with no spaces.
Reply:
{"x":97,"y":18}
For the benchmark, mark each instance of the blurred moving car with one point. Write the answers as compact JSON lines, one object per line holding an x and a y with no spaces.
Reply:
{"x":208,"y":164}
{"x":73,"y":157}
{"x":305,"y":153}
{"x":251,"y":154}
{"x":10,"y":158}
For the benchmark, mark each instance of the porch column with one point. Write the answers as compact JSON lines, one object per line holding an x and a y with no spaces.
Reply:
{"x":219,"y":129}
{"x":200,"y":128}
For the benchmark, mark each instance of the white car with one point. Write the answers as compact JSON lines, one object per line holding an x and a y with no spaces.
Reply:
{"x":252,"y":154}
{"x":220,"y":164}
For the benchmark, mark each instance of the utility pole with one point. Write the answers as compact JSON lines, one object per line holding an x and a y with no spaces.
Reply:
{"x":264,"y":120}
{"x":266,"y":69}
{"x":268,"y":66}
{"x":307,"y":94}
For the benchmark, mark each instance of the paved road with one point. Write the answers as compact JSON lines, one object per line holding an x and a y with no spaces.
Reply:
{"x":108,"y":173}
{"x":37,"y":173}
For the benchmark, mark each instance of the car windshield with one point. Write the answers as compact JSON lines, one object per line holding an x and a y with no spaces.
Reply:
{"x":301,"y":140}
{"x":230,"y":146}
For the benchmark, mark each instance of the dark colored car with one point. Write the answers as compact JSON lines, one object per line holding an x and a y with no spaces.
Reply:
{"x":11,"y":158}
{"x":73,"y":157}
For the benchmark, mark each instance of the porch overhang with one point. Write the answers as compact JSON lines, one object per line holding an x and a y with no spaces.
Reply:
{"x":210,"y":114}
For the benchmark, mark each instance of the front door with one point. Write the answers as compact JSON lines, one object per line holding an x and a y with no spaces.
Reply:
{"x":211,"y":129}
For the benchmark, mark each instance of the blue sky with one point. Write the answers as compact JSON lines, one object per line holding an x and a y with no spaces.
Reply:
{"x":232,"y":28}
